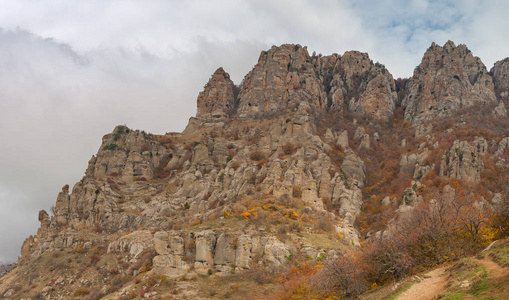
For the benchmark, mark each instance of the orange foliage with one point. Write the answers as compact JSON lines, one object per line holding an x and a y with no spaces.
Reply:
{"x":297,"y":282}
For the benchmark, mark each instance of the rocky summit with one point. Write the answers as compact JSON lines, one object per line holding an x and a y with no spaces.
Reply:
{"x":317,"y":176}
{"x":448,"y":78}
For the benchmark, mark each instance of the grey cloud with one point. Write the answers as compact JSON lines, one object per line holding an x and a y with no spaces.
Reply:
{"x":57,"y":104}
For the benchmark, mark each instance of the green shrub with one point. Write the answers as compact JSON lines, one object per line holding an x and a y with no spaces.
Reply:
{"x":110,"y":147}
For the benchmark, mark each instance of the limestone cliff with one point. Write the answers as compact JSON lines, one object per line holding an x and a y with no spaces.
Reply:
{"x":464,"y":160}
{"x":217,"y":98}
{"x":283,"y":78}
{"x":306,"y":158}
{"x":287,"y":76}
{"x":353,"y":81}
{"x":500,"y":73}
{"x":449,"y":78}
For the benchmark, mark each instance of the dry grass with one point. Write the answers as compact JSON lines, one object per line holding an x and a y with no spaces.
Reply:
{"x":237,"y":286}
{"x":322,"y":240}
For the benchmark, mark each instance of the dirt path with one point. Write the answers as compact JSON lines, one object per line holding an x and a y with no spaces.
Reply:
{"x":431,"y":285}
{"x":498,"y":271}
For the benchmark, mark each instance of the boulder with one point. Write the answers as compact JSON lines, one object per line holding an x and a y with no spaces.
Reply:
{"x":343,"y":139}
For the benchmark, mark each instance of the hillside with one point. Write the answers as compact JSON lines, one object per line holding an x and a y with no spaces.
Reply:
{"x":484,"y":276}
{"x":318,"y":176}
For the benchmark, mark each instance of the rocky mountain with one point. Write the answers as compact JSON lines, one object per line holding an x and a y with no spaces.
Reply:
{"x":310,"y":159}
{"x":448,"y":78}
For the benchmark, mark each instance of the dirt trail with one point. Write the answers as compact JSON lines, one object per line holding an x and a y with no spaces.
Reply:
{"x":497,"y":270}
{"x":431,"y":285}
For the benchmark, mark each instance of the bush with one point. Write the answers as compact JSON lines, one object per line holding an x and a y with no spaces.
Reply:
{"x":94,"y":259}
{"x":345,"y":274}
{"x":325,"y":224}
{"x":110,"y":147}
{"x":297,"y":191}
{"x":257,"y":155}
{"x":235,"y":165}
{"x":260,"y":164}
{"x":289,"y":148}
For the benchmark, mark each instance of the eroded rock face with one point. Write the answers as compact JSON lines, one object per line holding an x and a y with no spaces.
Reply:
{"x":370,"y":88}
{"x":416,"y":164}
{"x":217,"y":98}
{"x":283,"y":77}
{"x":500,"y":73}
{"x":205,"y":244}
{"x":286,"y":76}
{"x":133,"y":244}
{"x":174,"y":250}
{"x":343,"y":139}
{"x":448,"y":78}
{"x":500,"y":110}
{"x":464,"y":160}
{"x":128,"y":154}
{"x":354,"y":168}
{"x":207,"y":251}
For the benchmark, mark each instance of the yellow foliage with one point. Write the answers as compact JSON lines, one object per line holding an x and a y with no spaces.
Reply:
{"x":292,"y":215}
{"x":245,"y":215}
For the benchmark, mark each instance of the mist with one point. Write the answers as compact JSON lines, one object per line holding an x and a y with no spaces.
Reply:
{"x":56,"y":104}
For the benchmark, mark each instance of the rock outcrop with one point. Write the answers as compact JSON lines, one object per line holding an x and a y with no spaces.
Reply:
{"x":217,"y":99}
{"x":500,"y":73}
{"x":208,"y":251}
{"x":286,"y":76}
{"x":118,"y":191}
{"x":416,"y":164}
{"x":283,"y":78}
{"x":464,"y":160}
{"x":448,"y":78}
{"x":352,"y":80}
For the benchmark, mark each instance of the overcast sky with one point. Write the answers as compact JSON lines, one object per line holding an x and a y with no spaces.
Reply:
{"x":72,"y":70}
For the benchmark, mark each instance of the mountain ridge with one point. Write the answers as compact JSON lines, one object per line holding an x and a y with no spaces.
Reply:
{"x":309,"y":157}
